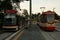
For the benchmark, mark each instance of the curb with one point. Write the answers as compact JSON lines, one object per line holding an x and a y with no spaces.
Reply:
{"x":9,"y":38}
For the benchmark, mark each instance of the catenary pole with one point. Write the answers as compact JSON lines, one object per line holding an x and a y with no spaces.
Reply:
{"x":30,"y":13}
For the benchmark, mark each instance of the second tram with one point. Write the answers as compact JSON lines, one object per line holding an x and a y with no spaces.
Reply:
{"x":47,"y":21}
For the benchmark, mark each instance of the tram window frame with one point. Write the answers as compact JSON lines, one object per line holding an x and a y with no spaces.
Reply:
{"x":52,"y":18}
{"x":10,"y":20}
{"x":43,"y":18}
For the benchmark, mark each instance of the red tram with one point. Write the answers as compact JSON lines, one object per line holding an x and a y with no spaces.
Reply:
{"x":10,"y":20}
{"x":47,"y":21}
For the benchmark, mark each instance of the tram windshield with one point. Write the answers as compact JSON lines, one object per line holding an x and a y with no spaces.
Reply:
{"x":10,"y":19}
{"x":50,"y":18}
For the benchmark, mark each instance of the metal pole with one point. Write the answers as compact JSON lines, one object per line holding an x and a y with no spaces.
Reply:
{"x":30,"y":12}
{"x":53,"y":9}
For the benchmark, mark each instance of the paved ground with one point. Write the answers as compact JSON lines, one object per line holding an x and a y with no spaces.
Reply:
{"x":55,"y":35}
{"x":4,"y":35}
{"x":32,"y":34}
{"x":35,"y":33}
{"x":57,"y":26}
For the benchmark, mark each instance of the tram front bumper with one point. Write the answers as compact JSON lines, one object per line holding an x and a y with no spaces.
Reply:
{"x":50,"y":28}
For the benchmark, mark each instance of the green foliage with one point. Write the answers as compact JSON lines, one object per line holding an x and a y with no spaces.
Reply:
{"x":19,"y":0}
{"x":25,"y":12}
{"x":27,"y":0}
{"x":5,"y":5}
{"x":16,"y":1}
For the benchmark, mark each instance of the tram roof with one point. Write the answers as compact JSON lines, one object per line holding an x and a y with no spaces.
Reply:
{"x":49,"y":12}
{"x":10,"y":11}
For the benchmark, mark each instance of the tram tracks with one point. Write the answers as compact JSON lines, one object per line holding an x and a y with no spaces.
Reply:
{"x":5,"y":35}
{"x":13,"y":36}
{"x":55,"y":35}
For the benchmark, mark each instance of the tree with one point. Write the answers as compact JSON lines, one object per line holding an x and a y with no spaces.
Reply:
{"x":25,"y":12}
{"x":6,"y":5}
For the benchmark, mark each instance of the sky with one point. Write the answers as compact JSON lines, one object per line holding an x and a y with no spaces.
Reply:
{"x":36,"y":4}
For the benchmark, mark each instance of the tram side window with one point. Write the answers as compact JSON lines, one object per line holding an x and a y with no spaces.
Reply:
{"x":1,"y":15}
{"x":43,"y":18}
{"x":1,"y":19}
{"x":57,"y":17}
